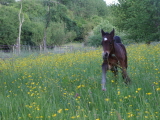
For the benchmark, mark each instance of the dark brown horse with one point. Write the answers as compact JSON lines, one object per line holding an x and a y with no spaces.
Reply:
{"x":114,"y":55}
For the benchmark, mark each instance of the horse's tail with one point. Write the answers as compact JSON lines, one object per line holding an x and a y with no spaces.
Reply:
{"x":117,"y":39}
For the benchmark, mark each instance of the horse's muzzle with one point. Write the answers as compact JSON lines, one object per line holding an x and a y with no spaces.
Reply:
{"x":105,"y":56}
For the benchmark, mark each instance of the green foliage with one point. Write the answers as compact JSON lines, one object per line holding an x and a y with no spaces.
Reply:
{"x":33,"y":9}
{"x":57,"y":35}
{"x":9,"y":25}
{"x":140,"y":19}
{"x":79,"y":20}
{"x":95,"y":38}
{"x":86,"y":8}
{"x":32,"y":33}
{"x":73,"y":19}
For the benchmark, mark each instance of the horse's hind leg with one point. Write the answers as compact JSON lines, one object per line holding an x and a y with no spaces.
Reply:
{"x":125,"y":75}
{"x":114,"y":70}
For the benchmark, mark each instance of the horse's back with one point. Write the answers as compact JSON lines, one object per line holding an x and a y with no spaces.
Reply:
{"x":117,"y":39}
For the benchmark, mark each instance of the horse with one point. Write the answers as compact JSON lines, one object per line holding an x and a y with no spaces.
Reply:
{"x":114,"y":56}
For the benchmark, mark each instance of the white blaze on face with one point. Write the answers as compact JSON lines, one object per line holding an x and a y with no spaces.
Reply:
{"x":105,"y":39}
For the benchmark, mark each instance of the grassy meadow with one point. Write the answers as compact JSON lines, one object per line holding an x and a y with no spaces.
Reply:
{"x":67,"y":86}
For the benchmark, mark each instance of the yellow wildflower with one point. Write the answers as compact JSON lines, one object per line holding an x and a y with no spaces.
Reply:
{"x":148,"y":93}
{"x":54,"y":115}
{"x":60,"y":110}
{"x":107,"y":99}
{"x":157,"y":89}
{"x":73,"y":117}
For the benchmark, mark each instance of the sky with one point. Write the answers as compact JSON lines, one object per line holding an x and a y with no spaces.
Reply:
{"x":111,"y":1}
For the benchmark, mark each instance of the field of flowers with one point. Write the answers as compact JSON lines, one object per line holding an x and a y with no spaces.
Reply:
{"x":67,"y":86}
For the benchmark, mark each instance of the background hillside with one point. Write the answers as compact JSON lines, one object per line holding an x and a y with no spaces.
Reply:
{"x":56,"y":22}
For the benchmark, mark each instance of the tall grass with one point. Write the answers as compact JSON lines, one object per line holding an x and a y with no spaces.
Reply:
{"x":67,"y":86}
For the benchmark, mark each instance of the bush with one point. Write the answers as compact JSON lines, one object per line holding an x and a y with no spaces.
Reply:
{"x":95,"y":38}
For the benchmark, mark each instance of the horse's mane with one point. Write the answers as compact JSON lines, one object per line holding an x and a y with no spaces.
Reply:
{"x":117,"y":39}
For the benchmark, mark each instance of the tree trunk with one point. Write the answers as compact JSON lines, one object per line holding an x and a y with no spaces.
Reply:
{"x":44,"y":40}
{"x":21,"y":20}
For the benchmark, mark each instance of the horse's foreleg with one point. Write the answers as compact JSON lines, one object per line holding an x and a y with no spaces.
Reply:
{"x":104,"y":69}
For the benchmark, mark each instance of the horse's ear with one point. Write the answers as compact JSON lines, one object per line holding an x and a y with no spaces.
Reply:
{"x":102,"y":32}
{"x":112,"y":33}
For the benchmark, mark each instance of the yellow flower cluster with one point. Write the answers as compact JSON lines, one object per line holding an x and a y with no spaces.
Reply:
{"x":67,"y":86}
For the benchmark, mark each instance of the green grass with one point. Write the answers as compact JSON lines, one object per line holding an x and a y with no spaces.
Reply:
{"x":67,"y":86}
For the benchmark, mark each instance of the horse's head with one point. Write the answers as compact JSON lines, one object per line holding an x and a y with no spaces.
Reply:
{"x":107,"y":43}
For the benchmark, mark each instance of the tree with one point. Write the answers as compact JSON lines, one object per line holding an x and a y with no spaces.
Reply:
{"x":33,"y":27}
{"x":74,"y":18}
{"x":21,"y":20}
{"x":9,"y":25}
{"x":141,"y":19}
{"x":95,"y":38}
